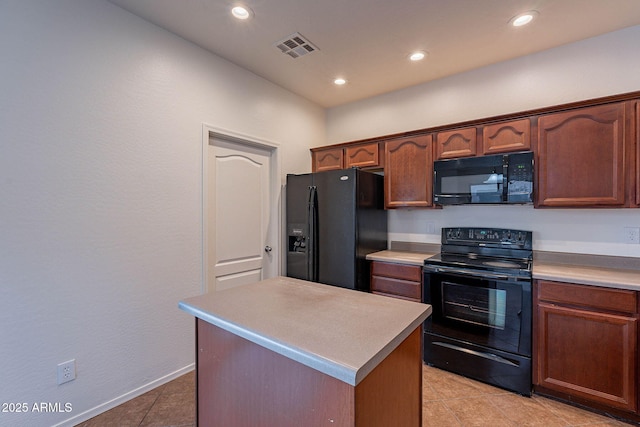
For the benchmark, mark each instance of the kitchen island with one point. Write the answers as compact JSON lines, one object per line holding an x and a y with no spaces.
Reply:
{"x":288,"y":352}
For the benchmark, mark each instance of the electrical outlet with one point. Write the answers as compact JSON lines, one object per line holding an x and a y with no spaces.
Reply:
{"x":632,"y":235}
{"x":67,"y":371}
{"x":431,"y":228}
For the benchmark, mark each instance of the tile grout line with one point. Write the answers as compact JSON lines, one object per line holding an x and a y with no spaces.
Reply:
{"x":151,"y":406}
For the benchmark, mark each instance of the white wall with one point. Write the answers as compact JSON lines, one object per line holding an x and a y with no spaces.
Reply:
{"x":597,"y":67}
{"x":100,"y":195}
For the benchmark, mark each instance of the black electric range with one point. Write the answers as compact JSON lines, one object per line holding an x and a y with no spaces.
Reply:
{"x":479,"y":287}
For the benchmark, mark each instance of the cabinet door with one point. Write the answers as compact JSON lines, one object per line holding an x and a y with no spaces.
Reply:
{"x":408,"y":172}
{"x":362,"y":156}
{"x":456,"y":143}
{"x":581,"y":157}
{"x":505,"y":137}
{"x":586,"y":354}
{"x":327,"y":160}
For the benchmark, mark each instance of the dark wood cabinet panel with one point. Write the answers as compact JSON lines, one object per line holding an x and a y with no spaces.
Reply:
{"x":506,"y":137}
{"x":582,"y":351}
{"x":398,"y":271}
{"x":240,"y":383}
{"x":326,"y":160}
{"x":363,"y":156}
{"x":637,"y":147}
{"x":456,"y":143}
{"x":234,"y":374}
{"x":391,"y":395}
{"x":581,"y":157}
{"x":593,"y":297}
{"x":408,"y":172}
{"x":588,"y":354}
{"x":396,"y":287}
{"x":397,"y":280}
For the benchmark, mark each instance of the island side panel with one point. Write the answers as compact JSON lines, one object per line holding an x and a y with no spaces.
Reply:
{"x":243,"y":384}
{"x":391,"y":395}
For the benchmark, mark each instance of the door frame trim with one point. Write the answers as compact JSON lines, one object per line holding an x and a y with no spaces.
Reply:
{"x":209,"y":131}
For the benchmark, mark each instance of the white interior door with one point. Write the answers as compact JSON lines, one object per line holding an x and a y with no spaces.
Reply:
{"x":241,"y":215}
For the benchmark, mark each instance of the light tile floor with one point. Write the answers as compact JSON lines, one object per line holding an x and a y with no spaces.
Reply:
{"x":449,"y":400}
{"x":172,"y":404}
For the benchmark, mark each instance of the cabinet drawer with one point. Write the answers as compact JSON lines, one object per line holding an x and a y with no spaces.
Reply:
{"x":398,"y":271}
{"x":398,"y":287}
{"x":594,"y":297}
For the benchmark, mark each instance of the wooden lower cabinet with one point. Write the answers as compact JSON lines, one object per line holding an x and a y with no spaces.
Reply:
{"x":242,"y":384}
{"x":397,"y":280}
{"x":585,"y":345}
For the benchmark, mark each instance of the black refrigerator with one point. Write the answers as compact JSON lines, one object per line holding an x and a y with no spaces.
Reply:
{"x":334,"y":219}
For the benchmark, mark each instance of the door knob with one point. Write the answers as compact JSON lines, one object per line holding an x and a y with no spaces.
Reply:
{"x":268,"y":249}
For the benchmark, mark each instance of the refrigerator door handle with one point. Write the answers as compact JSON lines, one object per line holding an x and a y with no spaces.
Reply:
{"x":312,"y":266}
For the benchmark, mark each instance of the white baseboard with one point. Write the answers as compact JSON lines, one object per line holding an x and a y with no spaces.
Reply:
{"x":84,"y":416}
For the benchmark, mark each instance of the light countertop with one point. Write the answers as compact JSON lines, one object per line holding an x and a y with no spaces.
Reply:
{"x":584,"y":274}
{"x":340,"y":332}
{"x":400,"y":257}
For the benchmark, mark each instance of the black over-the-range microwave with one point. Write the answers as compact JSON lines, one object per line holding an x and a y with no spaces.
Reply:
{"x":495,"y":179}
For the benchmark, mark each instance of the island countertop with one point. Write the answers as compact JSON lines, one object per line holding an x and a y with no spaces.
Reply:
{"x":339,"y":332}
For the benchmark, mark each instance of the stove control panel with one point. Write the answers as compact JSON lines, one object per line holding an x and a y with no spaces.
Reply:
{"x":496,"y":237}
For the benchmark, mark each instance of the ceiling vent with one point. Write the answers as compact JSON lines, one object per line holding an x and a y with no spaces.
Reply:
{"x":295,"y":46}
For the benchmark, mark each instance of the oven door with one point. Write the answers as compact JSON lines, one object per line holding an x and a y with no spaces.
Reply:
{"x":484,"y":308}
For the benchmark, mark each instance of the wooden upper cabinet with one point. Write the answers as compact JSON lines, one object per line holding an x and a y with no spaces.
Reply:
{"x":408,"y":172}
{"x":327,"y":159}
{"x":363,"y":156}
{"x":456,"y":143}
{"x":581,"y":157}
{"x":506,"y":137}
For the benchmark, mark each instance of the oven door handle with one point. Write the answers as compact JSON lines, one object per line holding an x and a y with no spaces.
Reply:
{"x":474,"y":273}
{"x":485,"y":355}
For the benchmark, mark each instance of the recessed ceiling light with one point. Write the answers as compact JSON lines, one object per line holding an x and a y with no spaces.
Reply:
{"x":241,"y":12}
{"x":339,"y":81}
{"x":417,"y":55}
{"x":524,"y":18}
